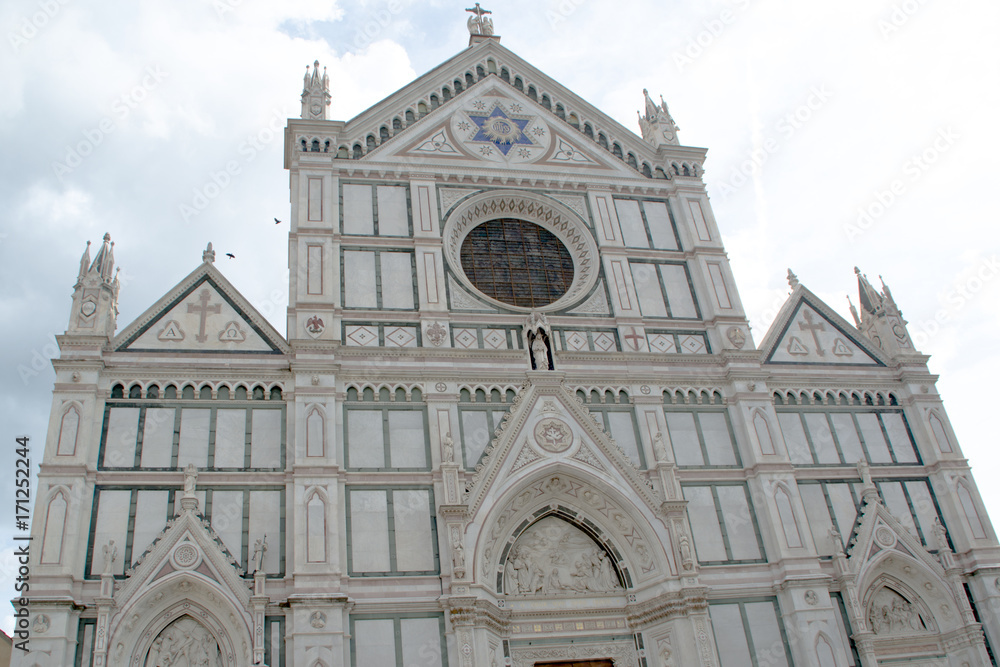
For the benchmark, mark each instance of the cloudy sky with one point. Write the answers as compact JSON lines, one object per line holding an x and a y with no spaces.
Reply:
{"x":860,"y":132}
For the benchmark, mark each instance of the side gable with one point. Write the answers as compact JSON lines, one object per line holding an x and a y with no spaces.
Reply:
{"x":203,"y":313}
{"x":808,"y":332}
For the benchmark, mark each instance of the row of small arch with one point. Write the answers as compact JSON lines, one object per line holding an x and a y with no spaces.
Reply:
{"x":384,"y":393}
{"x":792,"y":397}
{"x":241,"y":392}
{"x":433,"y":101}
{"x":607,"y":396}
{"x":693,"y":397}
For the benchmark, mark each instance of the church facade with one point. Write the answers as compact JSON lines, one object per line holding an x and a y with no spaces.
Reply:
{"x":518,"y":418}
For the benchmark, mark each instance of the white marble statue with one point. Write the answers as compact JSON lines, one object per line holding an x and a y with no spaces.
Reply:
{"x":190,"y":480}
{"x":540,"y":353}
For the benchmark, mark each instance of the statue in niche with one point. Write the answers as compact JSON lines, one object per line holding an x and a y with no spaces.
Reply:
{"x":891,"y":614}
{"x":538,"y":341}
{"x":184,"y":643}
{"x":449,"y":448}
{"x":553,"y":557}
{"x":659,"y":450}
{"x":540,"y":353}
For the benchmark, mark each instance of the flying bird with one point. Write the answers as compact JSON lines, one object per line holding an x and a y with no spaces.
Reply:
{"x":230,"y":255}
{"x":277,"y":222}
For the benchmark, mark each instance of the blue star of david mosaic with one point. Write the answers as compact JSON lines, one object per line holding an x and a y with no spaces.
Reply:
{"x":501,"y":130}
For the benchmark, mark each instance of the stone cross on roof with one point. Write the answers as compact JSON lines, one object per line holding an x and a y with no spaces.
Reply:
{"x":478,"y":23}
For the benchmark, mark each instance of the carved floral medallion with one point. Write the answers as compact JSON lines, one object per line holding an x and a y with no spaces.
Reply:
{"x":553,"y":435}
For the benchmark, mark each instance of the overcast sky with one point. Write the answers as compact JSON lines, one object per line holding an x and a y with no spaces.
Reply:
{"x":115,"y":116}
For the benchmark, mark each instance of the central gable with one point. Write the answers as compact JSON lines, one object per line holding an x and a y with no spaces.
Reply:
{"x":494,"y":125}
{"x":421,"y":117}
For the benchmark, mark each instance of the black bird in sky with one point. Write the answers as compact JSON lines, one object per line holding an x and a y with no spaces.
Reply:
{"x":277,"y":222}
{"x":230,"y":255}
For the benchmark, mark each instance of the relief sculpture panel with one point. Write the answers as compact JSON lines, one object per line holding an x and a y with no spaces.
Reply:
{"x":891,"y":614}
{"x":184,"y":643}
{"x":553,"y":557}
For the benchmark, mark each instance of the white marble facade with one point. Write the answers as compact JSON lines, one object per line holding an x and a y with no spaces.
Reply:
{"x":427,"y":472}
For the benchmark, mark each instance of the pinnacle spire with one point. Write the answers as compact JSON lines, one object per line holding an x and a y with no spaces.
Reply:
{"x":880,"y":319}
{"x":104,"y":261}
{"x":854,"y":312}
{"x":95,"y":295}
{"x":793,"y":280}
{"x":208,"y":256}
{"x":657,"y":126}
{"x":315,"y":93}
{"x":871,"y":300}
{"x":84,"y":262}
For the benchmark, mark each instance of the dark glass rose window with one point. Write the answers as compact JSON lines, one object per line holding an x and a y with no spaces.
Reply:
{"x":517,"y":263}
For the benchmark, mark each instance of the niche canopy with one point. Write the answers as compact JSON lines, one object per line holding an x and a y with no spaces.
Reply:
{"x":521,"y":251}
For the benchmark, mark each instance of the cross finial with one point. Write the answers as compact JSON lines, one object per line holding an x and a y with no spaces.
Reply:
{"x":478,"y":23}
{"x":479,"y":11}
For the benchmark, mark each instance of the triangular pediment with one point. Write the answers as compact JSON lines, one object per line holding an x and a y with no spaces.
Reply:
{"x":493,"y":125}
{"x":186,"y":546}
{"x":808,"y":332}
{"x":546,"y":425}
{"x":877,"y":533}
{"x":431,"y":134}
{"x":203,"y":313}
